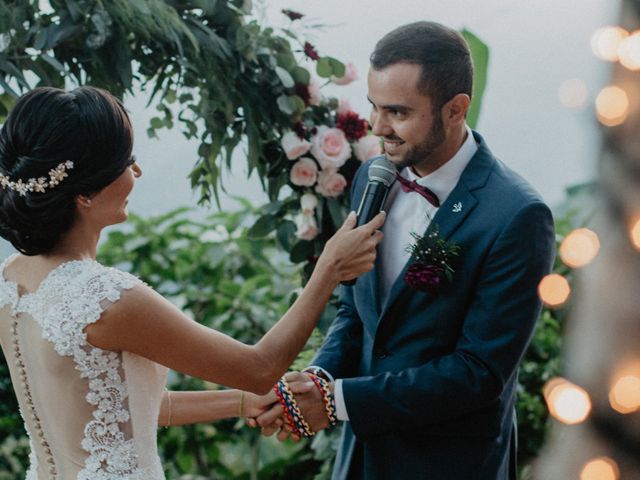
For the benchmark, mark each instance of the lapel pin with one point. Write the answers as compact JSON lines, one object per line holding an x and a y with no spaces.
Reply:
{"x":457,"y":208}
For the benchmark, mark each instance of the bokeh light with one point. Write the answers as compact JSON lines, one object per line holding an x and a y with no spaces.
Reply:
{"x":606,"y":40}
{"x":567,"y":402}
{"x":554,"y":290}
{"x":629,"y":52}
{"x":573,"y":93}
{"x":624,"y":395}
{"x":579,"y":248}
{"x":634,"y":233}
{"x":612,"y":106}
{"x":602,"y":468}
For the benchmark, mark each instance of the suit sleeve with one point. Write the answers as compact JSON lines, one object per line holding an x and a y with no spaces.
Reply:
{"x":494,"y":337}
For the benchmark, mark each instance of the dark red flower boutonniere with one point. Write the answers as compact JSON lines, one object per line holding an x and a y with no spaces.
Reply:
{"x":432,"y":265}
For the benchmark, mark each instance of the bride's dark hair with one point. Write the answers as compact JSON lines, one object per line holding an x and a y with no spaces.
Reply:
{"x":46,"y":128}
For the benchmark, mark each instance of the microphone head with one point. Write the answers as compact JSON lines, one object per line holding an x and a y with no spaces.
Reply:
{"x":382,"y":170}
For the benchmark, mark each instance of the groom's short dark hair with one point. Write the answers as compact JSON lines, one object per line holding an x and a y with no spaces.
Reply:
{"x":442,"y":53}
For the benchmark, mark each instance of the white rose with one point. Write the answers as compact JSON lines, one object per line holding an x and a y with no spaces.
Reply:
{"x":307,"y":227}
{"x":367,"y":147}
{"x":294,"y":146}
{"x":330,"y":147}
{"x":315,"y":97}
{"x":308,"y":203}
{"x":304,"y":172}
{"x":350,"y":75}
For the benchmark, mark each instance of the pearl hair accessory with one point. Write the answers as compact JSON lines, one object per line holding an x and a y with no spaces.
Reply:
{"x":37,"y":185}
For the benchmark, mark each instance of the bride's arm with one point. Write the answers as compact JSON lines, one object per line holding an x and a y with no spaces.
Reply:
{"x":145,"y":323}
{"x":186,"y":408}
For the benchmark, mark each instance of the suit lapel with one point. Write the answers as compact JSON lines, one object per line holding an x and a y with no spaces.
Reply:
{"x":452,"y":213}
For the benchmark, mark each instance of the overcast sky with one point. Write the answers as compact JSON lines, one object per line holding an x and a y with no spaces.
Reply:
{"x":534,"y":47}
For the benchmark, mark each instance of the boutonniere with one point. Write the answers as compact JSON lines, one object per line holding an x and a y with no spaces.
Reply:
{"x":432,"y":266}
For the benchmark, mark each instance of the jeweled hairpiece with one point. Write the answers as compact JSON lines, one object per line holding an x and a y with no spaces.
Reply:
{"x":37,"y":185}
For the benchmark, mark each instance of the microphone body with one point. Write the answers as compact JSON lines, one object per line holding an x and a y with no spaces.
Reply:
{"x":372,"y":201}
{"x":382,"y":174}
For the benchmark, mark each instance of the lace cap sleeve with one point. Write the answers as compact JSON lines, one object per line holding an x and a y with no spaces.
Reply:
{"x":76,"y":297}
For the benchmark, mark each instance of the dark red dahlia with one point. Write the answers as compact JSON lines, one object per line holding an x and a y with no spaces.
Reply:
{"x":310,"y":51}
{"x":352,"y":125}
{"x":424,"y":277}
{"x":293,"y":15}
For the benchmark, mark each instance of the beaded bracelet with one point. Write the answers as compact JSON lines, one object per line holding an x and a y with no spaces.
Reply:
{"x":327,"y":397}
{"x":289,"y":403}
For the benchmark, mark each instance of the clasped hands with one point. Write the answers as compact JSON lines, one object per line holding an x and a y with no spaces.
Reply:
{"x":309,"y":400}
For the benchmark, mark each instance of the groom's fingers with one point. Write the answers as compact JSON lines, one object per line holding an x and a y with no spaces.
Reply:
{"x":301,"y":387}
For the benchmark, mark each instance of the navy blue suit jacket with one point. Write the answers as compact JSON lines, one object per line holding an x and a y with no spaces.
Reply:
{"x":430,"y":379}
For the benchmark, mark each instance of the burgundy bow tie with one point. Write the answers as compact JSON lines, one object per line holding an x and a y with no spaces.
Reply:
{"x":409,"y":186}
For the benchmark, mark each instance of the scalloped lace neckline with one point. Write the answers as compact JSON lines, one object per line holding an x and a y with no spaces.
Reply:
{"x":15,"y":286}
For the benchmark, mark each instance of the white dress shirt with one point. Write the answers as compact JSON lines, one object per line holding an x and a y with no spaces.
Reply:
{"x":406,"y":213}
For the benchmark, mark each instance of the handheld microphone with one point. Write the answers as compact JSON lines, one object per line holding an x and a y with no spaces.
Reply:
{"x":382,"y":174}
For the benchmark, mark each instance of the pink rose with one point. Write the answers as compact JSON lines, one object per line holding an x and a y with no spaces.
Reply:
{"x":307,"y":228}
{"x":344,"y":106}
{"x":308,"y":203}
{"x":330,"y":183}
{"x":350,"y":75}
{"x":367,"y":147}
{"x":315,"y":97}
{"x":294,"y":146}
{"x":304,"y":172}
{"x":330,"y":147}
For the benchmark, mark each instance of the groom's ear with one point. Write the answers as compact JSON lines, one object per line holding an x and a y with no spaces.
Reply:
{"x":455,"y":110}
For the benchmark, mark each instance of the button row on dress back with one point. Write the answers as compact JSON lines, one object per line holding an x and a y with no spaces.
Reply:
{"x":24,"y":383}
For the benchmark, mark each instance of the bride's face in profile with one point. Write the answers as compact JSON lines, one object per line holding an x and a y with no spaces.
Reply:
{"x":109,"y":206}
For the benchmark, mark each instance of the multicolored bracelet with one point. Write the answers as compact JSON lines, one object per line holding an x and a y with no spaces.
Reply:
{"x":291,"y":409}
{"x":327,"y":397}
{"x":285,"y":409}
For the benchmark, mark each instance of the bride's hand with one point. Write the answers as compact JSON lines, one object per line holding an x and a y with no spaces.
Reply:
{"x":351,"y":251}
{"x":255,"y":405}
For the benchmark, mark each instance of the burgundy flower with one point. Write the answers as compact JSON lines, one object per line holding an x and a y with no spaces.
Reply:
{"x":292,"y":14}
{"x":424,"y":276}
{"x":302,"y":91}
{"x":310,"y":51}
{"x":352,"y":125}
{"x":300,"y":129}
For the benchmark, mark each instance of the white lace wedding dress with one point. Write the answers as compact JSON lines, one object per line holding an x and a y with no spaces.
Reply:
{"x":91,"y":414}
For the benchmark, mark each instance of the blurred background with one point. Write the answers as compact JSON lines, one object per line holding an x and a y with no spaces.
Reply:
{"x":537,"y":113}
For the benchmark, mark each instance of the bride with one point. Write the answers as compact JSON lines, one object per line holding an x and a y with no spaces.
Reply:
{"x":88,"y":346}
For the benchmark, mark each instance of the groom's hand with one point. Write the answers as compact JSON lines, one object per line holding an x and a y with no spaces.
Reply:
{"x":310,"y":402}
{"x":272,"y":420}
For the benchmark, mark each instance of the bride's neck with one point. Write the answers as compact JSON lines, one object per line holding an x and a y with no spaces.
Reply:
{"x":80,"y":243}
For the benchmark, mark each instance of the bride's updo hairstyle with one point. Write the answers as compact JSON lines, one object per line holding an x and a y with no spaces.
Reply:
{"x":47,"y":129}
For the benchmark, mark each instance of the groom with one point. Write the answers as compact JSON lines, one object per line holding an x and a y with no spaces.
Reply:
{"x":425,"y":381}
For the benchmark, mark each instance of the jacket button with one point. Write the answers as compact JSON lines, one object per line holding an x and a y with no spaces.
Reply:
{"x":380,"y":353}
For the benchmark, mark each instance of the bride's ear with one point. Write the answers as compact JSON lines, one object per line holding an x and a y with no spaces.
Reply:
{"x":83,"y":201}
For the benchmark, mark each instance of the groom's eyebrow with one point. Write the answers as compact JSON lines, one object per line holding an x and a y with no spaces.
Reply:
{"x":390,"y":106}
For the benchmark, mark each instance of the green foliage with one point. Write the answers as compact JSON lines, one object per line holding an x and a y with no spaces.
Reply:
{"x":480,"y":55}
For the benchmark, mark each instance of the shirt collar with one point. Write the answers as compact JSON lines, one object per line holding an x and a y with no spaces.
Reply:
{"x":444,"y":179}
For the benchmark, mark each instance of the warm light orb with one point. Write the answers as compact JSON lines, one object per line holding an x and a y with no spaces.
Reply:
{"x":629,"y":52}
{"x":602,"y":468}
{"x":567,"y":402}
{"x":579,"y":248}
{"x":554,"y":290}
{"x":634,"y":233}
{"x":573,"y":93}
{"x":612,"y":106}
{"x":624,"y":395}
{"x":605,"y":42}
